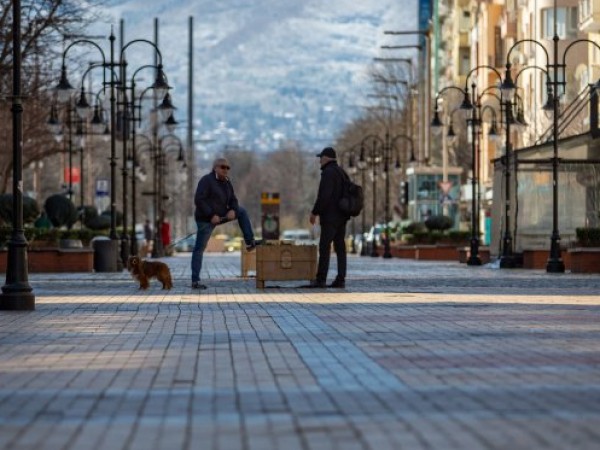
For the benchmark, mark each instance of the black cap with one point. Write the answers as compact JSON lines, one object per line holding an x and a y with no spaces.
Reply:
{"x":327,"y":151}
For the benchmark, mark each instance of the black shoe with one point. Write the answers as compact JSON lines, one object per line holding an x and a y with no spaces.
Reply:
{"x":252,"y":246}
{"x":197,"y":285}
{"x":314,"y":284}
{"x":338,"y":283}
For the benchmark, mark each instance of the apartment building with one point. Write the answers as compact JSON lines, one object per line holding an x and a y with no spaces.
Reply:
{"x":528,"y":34}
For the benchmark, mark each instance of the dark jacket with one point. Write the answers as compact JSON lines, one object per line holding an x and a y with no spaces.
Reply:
{"x":214,"y":197}
{"x":330,"y":192}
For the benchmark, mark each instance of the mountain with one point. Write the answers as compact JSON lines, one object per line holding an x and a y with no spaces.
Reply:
{"x":268,"y":70}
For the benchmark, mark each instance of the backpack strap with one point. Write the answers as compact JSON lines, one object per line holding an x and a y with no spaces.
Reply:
{"x":344,"y":175}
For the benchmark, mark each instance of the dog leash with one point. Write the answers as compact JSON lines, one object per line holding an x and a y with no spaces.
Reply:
{"x":179,"y":240}
{"x":223,"y":220}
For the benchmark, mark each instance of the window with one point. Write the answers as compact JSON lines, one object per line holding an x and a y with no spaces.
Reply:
{"x":498,"y":47}
{"x":464,"y":61}
{"x":566,"y":22}
{"x":465,"y":21}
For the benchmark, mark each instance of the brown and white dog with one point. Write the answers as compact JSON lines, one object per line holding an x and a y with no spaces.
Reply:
{"x":142,"y":271}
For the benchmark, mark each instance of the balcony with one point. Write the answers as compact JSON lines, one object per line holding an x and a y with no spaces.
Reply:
{"x":589,"y":16}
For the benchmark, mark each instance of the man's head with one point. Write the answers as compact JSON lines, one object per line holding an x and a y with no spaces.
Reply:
{"x":326,"y":155}
{"x":221,"y":167}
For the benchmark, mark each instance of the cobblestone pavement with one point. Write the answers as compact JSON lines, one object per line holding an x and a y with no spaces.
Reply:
{"x":412,"y":355}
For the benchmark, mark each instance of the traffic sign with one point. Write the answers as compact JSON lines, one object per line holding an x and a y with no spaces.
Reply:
{"x":102,"y":187}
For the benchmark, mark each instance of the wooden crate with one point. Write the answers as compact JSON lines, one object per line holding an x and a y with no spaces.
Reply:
{"x":285,"y":262}
{"x":248,"y":261}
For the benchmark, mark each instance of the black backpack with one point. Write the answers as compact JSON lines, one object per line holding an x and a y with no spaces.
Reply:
{"x":353,"y":198}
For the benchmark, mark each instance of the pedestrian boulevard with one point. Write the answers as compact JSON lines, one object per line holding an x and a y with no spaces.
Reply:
{"x":411,"y":355}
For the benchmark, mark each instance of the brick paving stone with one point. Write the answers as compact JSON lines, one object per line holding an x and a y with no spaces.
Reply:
{"x":411,"y":355}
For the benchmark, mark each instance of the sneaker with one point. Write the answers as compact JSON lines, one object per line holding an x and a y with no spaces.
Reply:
{"x":197,"y":285}
{"x":314,"y":284}
{"x":252,"y":246}
{"x":338,"y":283}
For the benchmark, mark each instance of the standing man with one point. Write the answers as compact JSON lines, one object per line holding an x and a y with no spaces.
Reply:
{"x":332,"y":220}
{"x":216,"y":203}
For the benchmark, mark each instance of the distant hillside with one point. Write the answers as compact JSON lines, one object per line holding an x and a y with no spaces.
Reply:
{"x":268,"y":70}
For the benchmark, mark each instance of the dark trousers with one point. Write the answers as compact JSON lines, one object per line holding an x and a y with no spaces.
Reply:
{"x":332,"y":232}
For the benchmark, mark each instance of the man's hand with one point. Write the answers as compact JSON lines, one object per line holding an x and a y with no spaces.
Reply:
{"x":215,"y":220}
{"x":312,"y":219}
{"x":230,"y":214}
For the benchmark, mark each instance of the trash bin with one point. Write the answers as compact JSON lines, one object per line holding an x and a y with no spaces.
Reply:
{"x":105,"y":255}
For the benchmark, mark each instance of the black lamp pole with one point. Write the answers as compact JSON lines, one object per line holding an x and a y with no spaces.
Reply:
{"x":386,"y":169}
{"x":374,"y":163}
{"x":159,"y":84}
{"x":474,"y":259}
{"x":473,"y":105}
{"x":70,"y":144}
{"x":468,"y":104}
{"x":555,"y":263}
{"x":363,"y":247}
{"x":507,"y":259}
{"x":390,"y":145}
{"x":17,"y":294}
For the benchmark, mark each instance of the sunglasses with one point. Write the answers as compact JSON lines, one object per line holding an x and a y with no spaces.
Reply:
{"x":225,"y":167}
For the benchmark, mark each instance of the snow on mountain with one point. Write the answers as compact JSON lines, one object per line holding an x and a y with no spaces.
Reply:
{"x":267,"y":70}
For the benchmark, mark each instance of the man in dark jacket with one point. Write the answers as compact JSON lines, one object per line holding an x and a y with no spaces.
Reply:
{"x":216,"y":203}
{"x":332,"y":220}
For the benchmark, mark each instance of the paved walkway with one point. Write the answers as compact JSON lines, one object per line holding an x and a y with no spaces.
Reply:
{"x":412,"y":355}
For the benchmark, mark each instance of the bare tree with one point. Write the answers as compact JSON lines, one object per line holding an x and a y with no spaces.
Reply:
{"x":45,"y":25}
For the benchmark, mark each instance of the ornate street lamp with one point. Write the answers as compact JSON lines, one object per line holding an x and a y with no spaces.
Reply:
{"x":64,"y":90}
{"x":471,"y":102}
{"x":555,"y":263}
{"x":17,"y":294}
{"x":390,"y":146}
{"x":511,"y":99}
{"x":382,"y":154}
{"x":160,"y":86}
{"x":372,"y":158}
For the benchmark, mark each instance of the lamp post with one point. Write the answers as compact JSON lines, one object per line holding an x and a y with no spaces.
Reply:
{"x":373,"y":159}
{"x":17,"y":294}
{"x":471,"y":102}
{"x":83,"y":128}
{"x":361,"y":165}
{"x":110,"y":66}
{"x":390,"y":145}
{"x":56,"y":128}
{"x":158,"y":155}
{"x":64,"y":89}
{"x":508,"y":88}
{"x":555,"y":263}
{"x":424,"y":48}
{"x":166,"y":142}
{"x":383,"y":155}
{"x":160,"y":88}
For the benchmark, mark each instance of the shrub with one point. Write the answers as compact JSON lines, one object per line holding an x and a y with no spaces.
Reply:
{"x":439,"y":223}
{"x":60,"y":210}
{"x":588,"y":237}
{"x":31,"y":210}
{"x":101,"y":222}
{"x":424,"y":237}
{"x":118,"y":217}
{"x":414,"y":227}
{"x":459,"y":237}
{"x":85,"y":235}
{"x":86,"y":214}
